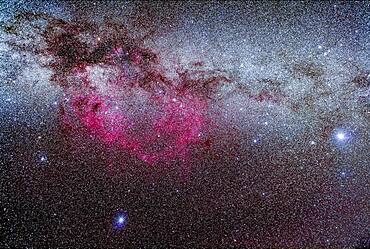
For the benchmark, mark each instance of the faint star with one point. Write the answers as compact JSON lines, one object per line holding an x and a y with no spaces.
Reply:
{"x":343,"y":174}
{"x":42,"y":157}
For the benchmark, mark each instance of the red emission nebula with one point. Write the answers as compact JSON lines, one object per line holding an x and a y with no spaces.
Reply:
{"x":173,"y":116}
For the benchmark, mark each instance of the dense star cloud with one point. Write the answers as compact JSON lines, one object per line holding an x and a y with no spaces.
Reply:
{"x":185,"y":124}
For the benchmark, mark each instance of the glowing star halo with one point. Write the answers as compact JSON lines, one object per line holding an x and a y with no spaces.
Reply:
{"x":120,"y":220}
{"x":342,"y":137}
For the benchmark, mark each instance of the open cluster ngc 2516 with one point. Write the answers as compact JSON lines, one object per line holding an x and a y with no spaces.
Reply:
{"x":211,"y":124}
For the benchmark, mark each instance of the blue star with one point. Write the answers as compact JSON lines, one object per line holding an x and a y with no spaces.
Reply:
{"x":342,"y":137}
{"x":345,"y":174}
{"x":42,"y":157}
{"x":256,"y":140}
{"x":120,"y":220}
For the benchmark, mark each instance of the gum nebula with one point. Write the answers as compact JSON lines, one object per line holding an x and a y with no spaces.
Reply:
{"x":117,"y":91}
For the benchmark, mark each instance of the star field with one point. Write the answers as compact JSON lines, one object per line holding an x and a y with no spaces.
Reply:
{"x":185,"y":124}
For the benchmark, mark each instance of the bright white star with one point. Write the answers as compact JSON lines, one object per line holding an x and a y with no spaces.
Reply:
{"x":121,"y":220}
{"x":341,"y":135}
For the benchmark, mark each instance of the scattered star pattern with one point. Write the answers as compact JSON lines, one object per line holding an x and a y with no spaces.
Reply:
{"x":189,"y":124}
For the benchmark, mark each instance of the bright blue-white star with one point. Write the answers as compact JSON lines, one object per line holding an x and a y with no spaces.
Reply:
{"x":120,"y":220}
{"x":256,"y":140}
{"x":342,"y":137}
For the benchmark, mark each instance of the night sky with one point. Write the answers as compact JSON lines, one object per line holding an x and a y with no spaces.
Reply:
{"x":185,"y":124}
